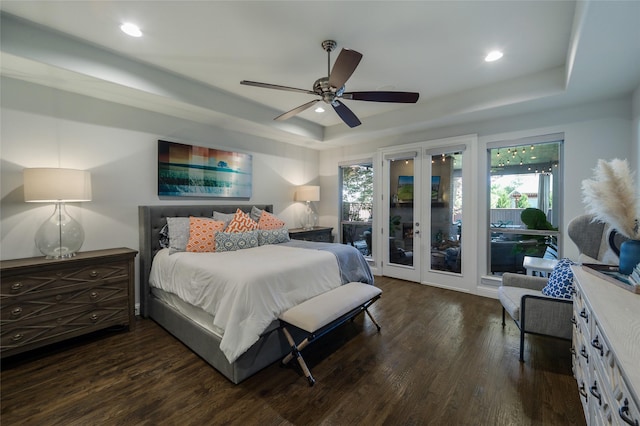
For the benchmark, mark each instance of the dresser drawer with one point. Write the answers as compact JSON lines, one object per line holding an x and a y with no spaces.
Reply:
{"x":627,"y":410}
{"x":602,"y":399}
{"x":21,"y":336}
{"x":318,"y":234}
{"x":48,"y":307}
{"x":47,"y":283}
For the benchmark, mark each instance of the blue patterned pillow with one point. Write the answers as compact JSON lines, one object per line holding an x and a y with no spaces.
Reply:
{"x":232,"y":241}
{"x":560,"y":282}
{"x":272,"y":236}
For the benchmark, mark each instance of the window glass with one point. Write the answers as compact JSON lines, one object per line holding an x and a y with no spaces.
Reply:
{"x":357,"y":207}
{"x":523,"y":204}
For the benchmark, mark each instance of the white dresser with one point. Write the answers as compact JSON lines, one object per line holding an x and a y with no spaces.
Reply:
{"x":606,"y":350}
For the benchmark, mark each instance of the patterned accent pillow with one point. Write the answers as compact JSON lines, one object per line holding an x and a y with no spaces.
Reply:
{"x":178,"y":233}
{"x":241,"y":222}
{"x":202,"y":233}
{"x":560,"y":284}
{"x":163,"y":236}
{"x":273,"y":236}
{"x":269,"y":221}
{"x":255,"y":213}
{"x":232,"y":241}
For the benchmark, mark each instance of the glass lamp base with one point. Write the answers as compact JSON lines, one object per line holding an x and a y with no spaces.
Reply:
{"x":60,"y":236}
{"x":309,"y":218}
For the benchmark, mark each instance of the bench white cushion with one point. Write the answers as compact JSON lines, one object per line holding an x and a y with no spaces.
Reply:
{"x":320,"y":310}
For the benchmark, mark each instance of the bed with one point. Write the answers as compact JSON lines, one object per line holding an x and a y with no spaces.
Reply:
{"x":235,"y":351}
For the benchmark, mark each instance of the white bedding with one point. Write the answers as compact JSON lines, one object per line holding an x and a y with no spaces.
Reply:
{"x":245,"y":290}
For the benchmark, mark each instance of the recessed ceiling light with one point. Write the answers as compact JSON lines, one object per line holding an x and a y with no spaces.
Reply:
{"x":319,"y":109}
{"x":131,"y":29}
{"x":494,"y":55}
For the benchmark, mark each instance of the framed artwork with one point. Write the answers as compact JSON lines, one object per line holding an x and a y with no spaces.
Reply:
{"x":195,"y":171}
{"x":435,"y":187}
{"x":405,"y":189}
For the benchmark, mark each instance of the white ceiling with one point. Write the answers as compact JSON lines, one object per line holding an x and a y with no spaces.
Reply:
{"x":556,"y":53}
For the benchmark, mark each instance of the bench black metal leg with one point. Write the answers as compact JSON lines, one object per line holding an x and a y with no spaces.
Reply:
{"x":371,"y":316}
{"x":295,"y":353}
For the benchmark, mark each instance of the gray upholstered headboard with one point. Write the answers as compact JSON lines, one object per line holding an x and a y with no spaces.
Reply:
{"x":151,"y":219}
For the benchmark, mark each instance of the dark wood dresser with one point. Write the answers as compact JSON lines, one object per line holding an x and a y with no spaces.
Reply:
{"x":45,"y":301}
{"x":317,"y":233}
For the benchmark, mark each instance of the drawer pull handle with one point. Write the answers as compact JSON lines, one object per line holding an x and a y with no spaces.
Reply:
{"x":93,"y":295}
{"x":594,"y":392}
{"x":624,"y":414}
{"x":573,"y":351}
{"x":574,"y":321}
{"x":16,"y":312}
{"x":583,"y":392}
{"x":93,"y":317}
{"x":596,"y":344}
{"x":583,"y":314}
{"x":16,"y":286}
{"x":17,"y":337}
{"x":93,"y":274}
{"x":583,"y":352}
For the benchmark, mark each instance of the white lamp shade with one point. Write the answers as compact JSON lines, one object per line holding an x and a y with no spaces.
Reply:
{"x":47,"y":185}
{"x":308,"y":193}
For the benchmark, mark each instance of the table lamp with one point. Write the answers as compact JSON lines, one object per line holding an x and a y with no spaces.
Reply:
{"x":60,"y":236}
{"x":308,"y":193}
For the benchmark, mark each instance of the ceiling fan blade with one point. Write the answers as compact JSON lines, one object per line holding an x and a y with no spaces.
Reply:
{"x":346,"y":114}
{"x":398,"y":97}
{"x":275,"y":86}
{"x":296,"y":110}
{"x":345,"y":65}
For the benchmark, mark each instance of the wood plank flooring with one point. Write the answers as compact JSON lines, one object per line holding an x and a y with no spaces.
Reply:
{"x":442,"y":358}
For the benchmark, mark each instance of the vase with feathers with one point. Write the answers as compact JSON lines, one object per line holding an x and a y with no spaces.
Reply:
{"x":611,"y":197}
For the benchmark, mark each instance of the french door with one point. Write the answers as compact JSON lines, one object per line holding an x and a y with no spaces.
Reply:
{"x":402,"y":197}
{"x":429,"y":227}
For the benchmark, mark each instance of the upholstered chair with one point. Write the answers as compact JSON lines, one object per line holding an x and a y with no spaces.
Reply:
{"x":535,"y":313}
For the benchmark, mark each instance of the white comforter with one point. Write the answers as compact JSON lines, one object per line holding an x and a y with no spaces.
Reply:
{"x":245,"y":290}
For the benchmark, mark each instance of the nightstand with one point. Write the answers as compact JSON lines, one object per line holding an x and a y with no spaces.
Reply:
{"x":46,"y":301}
{"x":317,"y":233}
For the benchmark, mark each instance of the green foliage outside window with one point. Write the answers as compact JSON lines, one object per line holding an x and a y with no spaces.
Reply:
{"x":501,"y":199}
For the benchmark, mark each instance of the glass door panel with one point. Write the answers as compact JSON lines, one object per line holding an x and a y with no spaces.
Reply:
{"x":446,"y":212}
{"x":401,"y":212}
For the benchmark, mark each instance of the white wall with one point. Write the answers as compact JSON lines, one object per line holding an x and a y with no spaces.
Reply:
{"x":43,"y":127}
{"x":592,"y":131}
{"x":635,"y":130}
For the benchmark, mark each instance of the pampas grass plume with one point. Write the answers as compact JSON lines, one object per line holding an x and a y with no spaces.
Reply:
{"x":611,"y":197}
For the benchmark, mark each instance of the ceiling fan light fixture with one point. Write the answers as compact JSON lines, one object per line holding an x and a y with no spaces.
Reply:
{"x":331,"y":89}
{"x":494,"y":55}
{"x":131,"y":29}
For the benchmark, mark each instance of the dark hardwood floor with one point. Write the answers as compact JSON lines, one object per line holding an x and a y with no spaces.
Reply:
{"x":442,"y":358}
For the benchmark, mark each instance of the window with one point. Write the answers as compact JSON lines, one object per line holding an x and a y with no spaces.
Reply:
{"x":357,"y":206}
{"x":524,"y":202}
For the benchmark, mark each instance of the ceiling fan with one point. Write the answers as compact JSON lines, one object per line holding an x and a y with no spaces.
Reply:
{"x":331,"y":88}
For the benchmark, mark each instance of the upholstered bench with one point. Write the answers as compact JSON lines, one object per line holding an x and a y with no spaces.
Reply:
{"x":321,"y":314}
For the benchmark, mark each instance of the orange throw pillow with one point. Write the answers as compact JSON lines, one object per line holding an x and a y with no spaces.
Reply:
{"x":202,"y":234}
{"x":241,"y":222}
{"x":268,"y":222}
